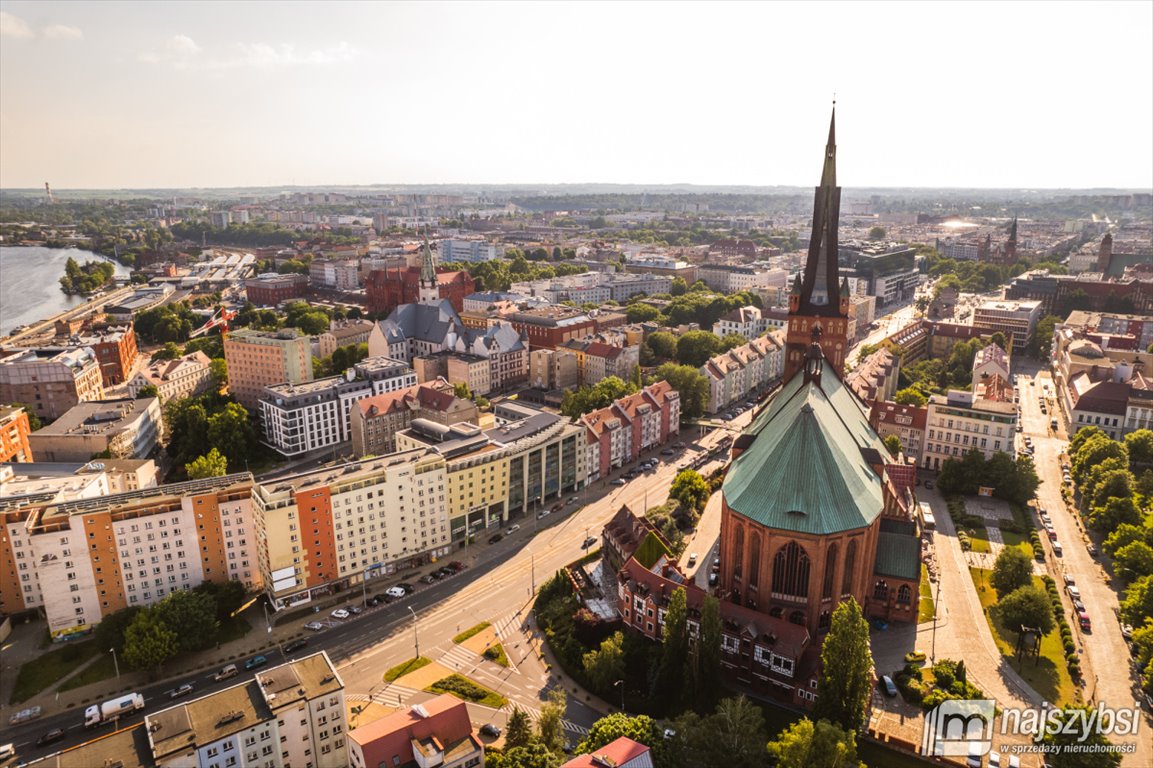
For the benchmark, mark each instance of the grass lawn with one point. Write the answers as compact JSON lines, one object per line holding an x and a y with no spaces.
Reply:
{"x":469,"y":690}
{"x":101,"y":669}
{"x":400,"y":670}
{"x":1019,"y":541}
{"x":1047,"y":674}
{"x":927,"y":609}
{"x":496,"y":653}
{"x":470,"y":632}
{"x":978,"y":539}
{"x":48,"y":668}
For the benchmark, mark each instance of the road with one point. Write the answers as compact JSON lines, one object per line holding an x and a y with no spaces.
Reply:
{"x":497,"y":587}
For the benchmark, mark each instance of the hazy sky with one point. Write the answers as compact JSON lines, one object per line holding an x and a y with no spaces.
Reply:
{"x":167,"y":94}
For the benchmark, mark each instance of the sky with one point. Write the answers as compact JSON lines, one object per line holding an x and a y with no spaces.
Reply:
{"x":932,"y":94}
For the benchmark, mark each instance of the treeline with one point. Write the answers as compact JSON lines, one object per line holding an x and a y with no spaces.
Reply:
{"x":87,"y":277}
{"x":263,"y":233}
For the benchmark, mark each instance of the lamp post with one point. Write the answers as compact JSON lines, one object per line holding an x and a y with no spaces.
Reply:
{"x":115,"y":662}
{"x":936,"y":611}
{"x":415,"y":637}
{"x":621,"y":683}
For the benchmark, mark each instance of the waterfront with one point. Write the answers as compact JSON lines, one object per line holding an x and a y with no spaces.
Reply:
{"x":30,"y":283}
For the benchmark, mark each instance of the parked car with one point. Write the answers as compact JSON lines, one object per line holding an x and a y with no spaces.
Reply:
{"x":889,"y":686}
{"x":396,"y":592}
{"x":426,"y":579}
{"x":667,"y":452}
{"x":713,"y":578}
{"x":512,"y":529}
{"x":295,"y":645}
{"x":619,"y":481}
{"x":929,"y":484}
{"x":377,"y":600}
{"x":1078,"y":605}
{"x":1091,"y":549}
{"x":340,"y":613}
{"x":915,"y":657}
{"x":54,"y":735}
{"x":1069,"y":580}
{"x":573,"y":499}
{"x":408,"y":588}
{"x":457,"y":566}
{"x":446,"y":571}
{"x":24,"y":715}
{"x":315,"y":626}
{"x":255,"y":662}
{"x":355,"y":610}
{"x":692,"y":559}
{"x":180,"y":690}
{"x":490,"y":730}
{"x":1073,"y":591}
{"x":590,"y":541}
{"x":494,"y":538}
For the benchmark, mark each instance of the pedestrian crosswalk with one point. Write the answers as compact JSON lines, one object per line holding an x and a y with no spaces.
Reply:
{"x":459,"y":658}
{"x":395,"y":696}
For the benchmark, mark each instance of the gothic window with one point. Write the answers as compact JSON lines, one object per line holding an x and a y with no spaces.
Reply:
{"x":754,"y":559}
{"x":881,"y":590}
{"x":791,"y":571}
{"x":830,"y":573}
{"x":797,"y":617}
{"x":850,"y":564}
{"x":738,"y":550}
{"x":903,"y":594}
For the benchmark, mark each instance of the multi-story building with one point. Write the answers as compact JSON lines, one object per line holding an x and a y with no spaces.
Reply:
{"x":220,"y":219}
{"x":435,"y":733}
{"x":268,"y":290}
{"x":50,"y":380}
{"x":142,"y":299}
{"x":1016,"y":319}
{"x":95,"y":556}
{"x":115,"y":349}
{"x":119,"y":429}
{"x":259,"y":359}
{"x":332,"y":528}
{"x":597,"y":360}
{"x":875,"y":379}
{"x":340,"y":275}
{"x":377,"y":419}
{"x":742,"y":321}
{"x":728,"y":278}
{"x":907,"y":422}
{"x":389,"y":288}
{"x":553,"y":369}
{"x":14,"y":431}
{"x":961,"y":421}
{"x":298,"y":418}
{"x":468,"y":250}
{"x":185,"y":376}
{"x":343,"y":333}
{"x":631,"y":425}
{"x":293,"y":714}
{"x":547,"y":328}
{"x":746,"y":370}
{"x":889,"y":271}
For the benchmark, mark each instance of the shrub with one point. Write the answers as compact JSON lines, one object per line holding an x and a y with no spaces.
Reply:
{"x":1069,"y":647}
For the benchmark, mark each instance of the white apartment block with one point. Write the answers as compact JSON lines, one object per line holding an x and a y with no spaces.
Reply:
{"x":468,"y":251}
{"x":1016,"y":319}
{"x":185,"y":376}
{"x":349,"y":524}
{"x":746,"y":322}
{"x":289,"y":715}
{"x":960,"y":422}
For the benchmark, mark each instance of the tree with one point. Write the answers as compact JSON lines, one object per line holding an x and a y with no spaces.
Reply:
{"x":1139,"y":445}
{"x":550,"y":729}
{"x":679,"y":287}
{"x":1042,"y":344}
{"x":148,"y":643}
{"x":1083,"y":436}
{"x":707,"y":652}
{"x":148,"y":390}
{"x":846,"y":668}
{"x":1012,"y":570}
{"x":910,"y":396}
{"x":34,"y":421}
{"x":642,"y":313}
{"x":735,"y":733}
{"x":689,"y":382}
{"x":227,"y":596}
{"x":732,"y":341}
{"x":674,"y":646}
{"x":1115,"y":512}
{"x":1134,"y":560}
{"x":1123,"y":534}
{"x":1095,"y":450}
{"x":519,"y":731}
{"x":219,"y":370}
{"x":1080,"y":742}
{"x":690,"y":490}
{"x":1137,"y":607}
{"x":170,"y":351}
{"x":663,"y":345}
{"x":111,"y":629}
{"x":231,"y":431}
{"x":877,"y":233}
{"x":191,"y":616}
{"x":696,"y":347}
{"x":641,"y":728}
{"x":1026,"y":607}
{"x":821,"y":745}
{"x":606,"y":665}
{"x":893,"y":445}
{"x":210,"y":465}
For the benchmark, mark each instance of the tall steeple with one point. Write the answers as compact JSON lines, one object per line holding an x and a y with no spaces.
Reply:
{"x":429,"y":292}
{"x":1011,"y":246}
{"x":822,"y":300}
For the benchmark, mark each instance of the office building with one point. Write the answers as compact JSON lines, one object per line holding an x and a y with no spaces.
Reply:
{"x":119,"y":429}
{"x":269,"y":290}
{"x":50,"y":380}
{"x":259,"y":359}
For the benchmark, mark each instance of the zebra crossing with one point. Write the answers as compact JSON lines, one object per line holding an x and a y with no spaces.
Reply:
{"x":460,"y":659}
{"x":392,"y":696}
{"x":567,"y":725}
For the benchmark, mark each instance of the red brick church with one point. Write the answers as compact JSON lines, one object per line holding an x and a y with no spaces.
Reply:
{"x":387,"y":289}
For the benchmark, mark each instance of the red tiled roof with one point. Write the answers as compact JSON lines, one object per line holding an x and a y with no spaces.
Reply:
{"x":885,"y":412}
{"x":447,"y":721}
{"x":617,"y":752}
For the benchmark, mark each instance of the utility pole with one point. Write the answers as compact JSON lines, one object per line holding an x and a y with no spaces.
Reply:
{"x":415,"y":637}
{"x":532,"y":561}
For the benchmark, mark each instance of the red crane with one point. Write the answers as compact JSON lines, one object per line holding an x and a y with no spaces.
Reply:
{"x":220,"y":318}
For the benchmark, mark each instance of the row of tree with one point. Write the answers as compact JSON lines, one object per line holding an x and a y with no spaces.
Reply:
{"x":1011,"y":479}
{"x":87,"y":277}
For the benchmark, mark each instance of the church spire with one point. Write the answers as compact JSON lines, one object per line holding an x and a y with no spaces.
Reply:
{"x":429,"y":291}
{"x":821,"y":288}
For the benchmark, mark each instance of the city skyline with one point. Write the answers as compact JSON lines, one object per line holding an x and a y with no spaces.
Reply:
{"x":109,"y":95}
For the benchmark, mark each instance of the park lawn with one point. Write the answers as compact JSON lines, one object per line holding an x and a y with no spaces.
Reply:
{"x":48,"y":668}
{"x":978,"y":539}
{"x":1019,"y":541}
{"x":471,"y":631}
{"x":927,"y":609}
{"x":495,"y":653}
{"x":1048,"y":675}
{"x":103,"y":668}
{"x":469,"y":690}
{"x":400,"y":670}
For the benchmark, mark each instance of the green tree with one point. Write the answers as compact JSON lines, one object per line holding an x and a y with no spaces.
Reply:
{"x":674,"y":646}
{"x":663,"y":345}
{"x":692,"y":386}
{"x":533,"y":755}
{"x":679,"y":287}
{"x":690,"y":490}
{"x":1139,"y":445}
{"x":846,"y":668}
{"x":1026,"y":607}
{"x":191,"y":616}
{"x":228,"y":596}
{"x":170,"y":351}
{"x":1012,"y":570}
{"x":807,"y":745}
{"x":1077,"y":739}
{"x":219,"y":370}
{"x":1137,"y":607}
{"x":1115,"y":512}
{"x":696,"y":347}
{"x":733,"y":736}
{"x":210,"y":465}
{"x":148,"y":390}
{"x":148,"y":642}
{"x":641,"y":728}
{"x":110,"y":631}
{"x":707,"y":652}
{"x":910,"y":396}
{"x":1122,"y":535}
{"x":606,"y":665}
{"x":1083,"y":436}
{"x":642,"y":313}
{"x":1134,"y":560}
{"x":519,"y":731}
{"x":877,"y":233}
{"x":1095,"y":450}
{"x":550,"y":729}
{"x":231,"y":431}
{"x":732,"y":341}
{"x":34,"y":421}
{"x":1041,"y":345}
{"x":892,"y":445}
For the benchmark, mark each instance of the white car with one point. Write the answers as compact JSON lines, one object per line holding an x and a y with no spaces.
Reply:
{"x":395,"y":592}
{"x":340,"y":613}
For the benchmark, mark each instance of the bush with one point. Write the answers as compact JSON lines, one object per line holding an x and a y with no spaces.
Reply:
{"x":1070,"y":647}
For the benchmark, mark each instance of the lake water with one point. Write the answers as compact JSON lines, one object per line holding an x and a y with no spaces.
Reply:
{"x":30,"y":283}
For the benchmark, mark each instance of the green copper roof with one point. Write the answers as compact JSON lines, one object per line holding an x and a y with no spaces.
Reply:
{"x":898,"y":555}
{"x":805,"y":470}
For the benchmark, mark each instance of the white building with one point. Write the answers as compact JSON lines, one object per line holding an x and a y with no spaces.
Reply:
{"x":1016,"y":319}
{"x":960,"y":421}
{"x":747,"y":322}
{"x":185,"y":376}
{"x":735,"y":375}
{"x":468,"y":251}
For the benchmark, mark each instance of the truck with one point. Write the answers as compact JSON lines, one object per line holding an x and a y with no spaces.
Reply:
{"x":112,"y":709}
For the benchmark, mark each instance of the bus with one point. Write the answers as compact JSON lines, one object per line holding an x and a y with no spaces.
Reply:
{"x":928,"y":522}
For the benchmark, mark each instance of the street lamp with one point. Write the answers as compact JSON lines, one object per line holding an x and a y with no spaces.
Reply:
{"x":115,"y":662}
{"x":415,"y":637}
{"x":621,"y":683}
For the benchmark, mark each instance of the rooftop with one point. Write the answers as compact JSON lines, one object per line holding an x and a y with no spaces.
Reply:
{"x":98,"y":417}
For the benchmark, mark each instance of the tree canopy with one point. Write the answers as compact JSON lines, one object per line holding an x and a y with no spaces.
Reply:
{"x":846,"y":668}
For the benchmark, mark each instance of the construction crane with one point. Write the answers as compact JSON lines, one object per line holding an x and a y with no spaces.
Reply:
{"x":219,"y":319}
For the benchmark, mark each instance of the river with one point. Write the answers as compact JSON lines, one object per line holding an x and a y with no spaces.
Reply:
{"x":30,"y":283}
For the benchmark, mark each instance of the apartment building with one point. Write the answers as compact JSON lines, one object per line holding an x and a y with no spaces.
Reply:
{"x":436,"y":733}
{"x":549,"y":327}
{"x":597,"y":360}
{"x":961,"y":421}
{"x":746,"y":370}
{"x":298,"y":418}
{"x":50,"y":380}
{"x":875,"y":379}
{"x":377,"y":419}
{"x":259,"y":359}
{"x":271,"y":289}
{"x":746,"y":322}
{"x":468,"y":251}
{"x":1016,"y":319}
{"x":183,"y":377}
{"x":116,"y":352}
{"x":340,"y":275}
{"x":728,"y":278}
{"x":289,"y":715}
{"x":907,"y":422}
{"x":14,"y":431}
{"x":119,"y":429}
{"x":338,"y":527}
{"x":343,"y":333}
{"x":95,"y":556}
{"x":553,"y":369}
{"x":618,"y":433}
